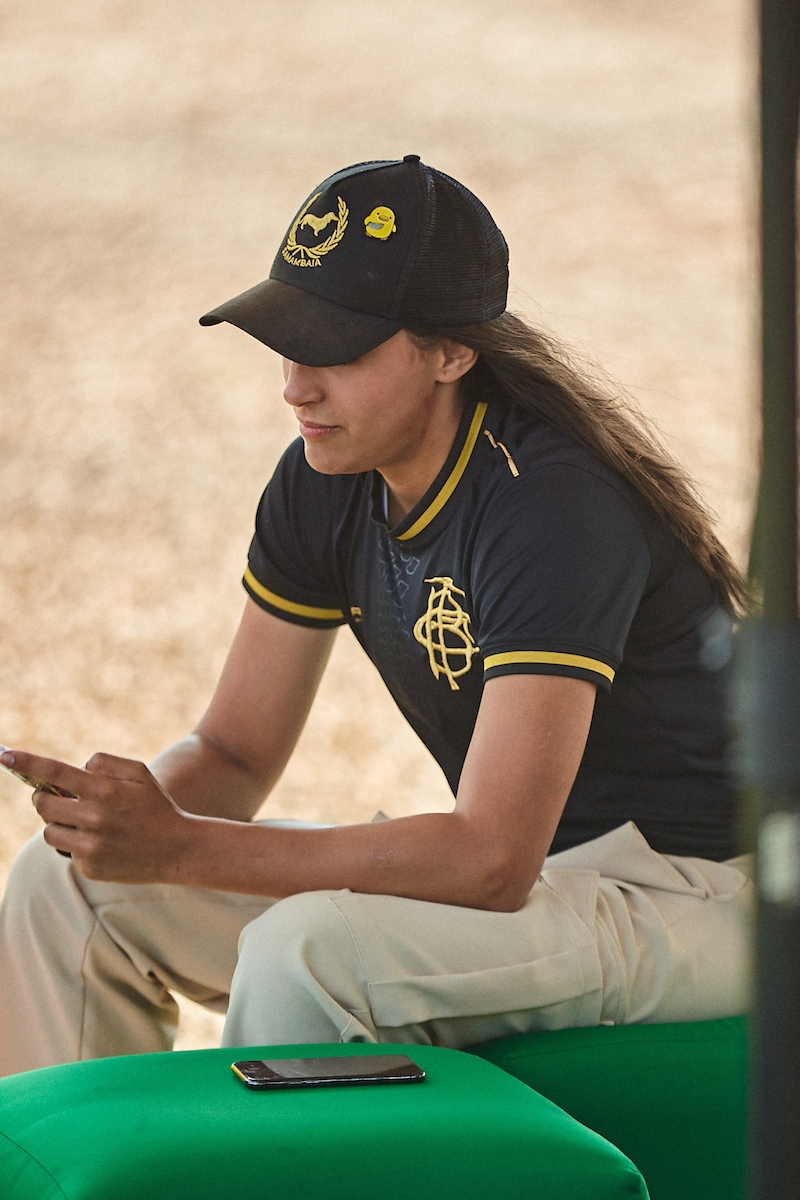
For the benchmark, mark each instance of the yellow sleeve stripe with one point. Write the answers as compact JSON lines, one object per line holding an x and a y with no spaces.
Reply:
{"x":299,"y":610}
{"x":551,"y":657}
{"x":449,"y":486}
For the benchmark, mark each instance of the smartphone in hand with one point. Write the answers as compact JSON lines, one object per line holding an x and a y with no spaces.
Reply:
{"x":38,"y":785}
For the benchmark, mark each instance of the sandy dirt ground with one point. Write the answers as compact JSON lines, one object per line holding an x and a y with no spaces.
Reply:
{"x":152,"y":156}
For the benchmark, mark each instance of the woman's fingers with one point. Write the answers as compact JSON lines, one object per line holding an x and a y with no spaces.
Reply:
{"x":111,"y":815}
{"x":63,"y":810}
{"x":46,"y":772}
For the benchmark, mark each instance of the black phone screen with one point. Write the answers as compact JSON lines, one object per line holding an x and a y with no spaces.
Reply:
{"x":311,"y":1072}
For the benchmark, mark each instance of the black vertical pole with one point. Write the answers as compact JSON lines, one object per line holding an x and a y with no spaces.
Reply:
{"x":776,"y":549}
{"x":770,"y":665}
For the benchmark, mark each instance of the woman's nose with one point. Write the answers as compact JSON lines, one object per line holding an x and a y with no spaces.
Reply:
{"x":302,"y":384}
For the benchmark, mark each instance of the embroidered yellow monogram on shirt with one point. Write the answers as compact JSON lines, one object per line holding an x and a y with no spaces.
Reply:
{"x":443,"y":629}
{"x":310,"y":256}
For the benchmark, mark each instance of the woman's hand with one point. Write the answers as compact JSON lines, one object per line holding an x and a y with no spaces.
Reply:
{"x":120,"y":826}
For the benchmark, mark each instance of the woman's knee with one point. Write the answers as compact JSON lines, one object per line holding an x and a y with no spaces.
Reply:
{"x":299,"y":977}
{"x":305,"y":928}
{"x":36,"y":876}
{"x":45,"y":893}
{"x":303,"y":945}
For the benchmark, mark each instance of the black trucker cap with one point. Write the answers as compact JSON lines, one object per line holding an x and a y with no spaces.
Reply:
{"x":375,"y":248}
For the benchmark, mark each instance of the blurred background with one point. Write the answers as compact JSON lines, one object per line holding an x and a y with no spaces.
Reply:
{"x":153,"y":154}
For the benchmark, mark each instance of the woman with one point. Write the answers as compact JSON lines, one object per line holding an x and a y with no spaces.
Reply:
{"x":550,"y":609}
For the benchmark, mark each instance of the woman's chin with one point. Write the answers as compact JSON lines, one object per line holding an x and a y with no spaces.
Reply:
{"x":327,"y":462}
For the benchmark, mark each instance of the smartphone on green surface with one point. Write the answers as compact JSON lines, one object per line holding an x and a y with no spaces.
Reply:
{"x":264,"y":1073}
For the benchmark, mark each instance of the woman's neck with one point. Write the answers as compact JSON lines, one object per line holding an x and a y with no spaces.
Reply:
{"x":408,"y":481}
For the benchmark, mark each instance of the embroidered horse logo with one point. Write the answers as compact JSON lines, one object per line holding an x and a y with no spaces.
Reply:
{"x":317,"y":223}
{"x":300,"y":255}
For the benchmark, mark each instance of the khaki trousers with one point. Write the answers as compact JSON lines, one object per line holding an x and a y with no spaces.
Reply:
{"x":611,"y":933}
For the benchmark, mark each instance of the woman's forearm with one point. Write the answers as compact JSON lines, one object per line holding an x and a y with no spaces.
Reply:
{"x":438,"y":857}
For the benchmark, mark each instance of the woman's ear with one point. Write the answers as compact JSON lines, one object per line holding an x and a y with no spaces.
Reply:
{"x":455,"y":360}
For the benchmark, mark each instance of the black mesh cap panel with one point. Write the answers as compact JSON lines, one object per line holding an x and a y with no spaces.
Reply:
{"x":460,"y":273}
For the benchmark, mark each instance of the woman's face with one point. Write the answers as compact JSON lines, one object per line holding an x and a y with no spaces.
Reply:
{"x":385,"y":411}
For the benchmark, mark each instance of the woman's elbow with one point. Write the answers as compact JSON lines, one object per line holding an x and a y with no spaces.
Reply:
{"x":506,"y":884}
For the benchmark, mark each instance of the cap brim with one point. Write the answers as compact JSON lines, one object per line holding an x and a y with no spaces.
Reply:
{"x":303,"y":327}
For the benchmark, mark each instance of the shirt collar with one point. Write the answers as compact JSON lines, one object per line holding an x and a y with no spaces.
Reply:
{"x":445,"y":483}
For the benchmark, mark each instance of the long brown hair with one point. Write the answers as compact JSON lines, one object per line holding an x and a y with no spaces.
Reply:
{"x":534,"y":371}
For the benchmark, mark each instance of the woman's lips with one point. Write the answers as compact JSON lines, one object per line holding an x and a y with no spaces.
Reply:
{"x":308,"y":430}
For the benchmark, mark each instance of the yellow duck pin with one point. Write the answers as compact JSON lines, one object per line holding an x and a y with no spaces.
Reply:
{"x":380,"y":223}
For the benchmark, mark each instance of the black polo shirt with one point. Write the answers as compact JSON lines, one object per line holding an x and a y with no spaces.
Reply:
{"x":526,"y":555}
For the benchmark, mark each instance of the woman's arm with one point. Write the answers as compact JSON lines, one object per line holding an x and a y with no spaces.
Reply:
{"x":234,"y":757}
{"x":525,"y":752}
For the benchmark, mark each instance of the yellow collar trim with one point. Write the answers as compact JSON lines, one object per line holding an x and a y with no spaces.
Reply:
{"x":451,"y":483}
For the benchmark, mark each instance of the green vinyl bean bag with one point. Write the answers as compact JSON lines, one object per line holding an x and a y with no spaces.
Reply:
{"x":180,"y":1126}
{"x":673,"y":1097}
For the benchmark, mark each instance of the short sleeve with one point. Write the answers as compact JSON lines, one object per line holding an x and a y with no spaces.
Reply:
{"x":560,"y":567}
{"x":290,"y":570}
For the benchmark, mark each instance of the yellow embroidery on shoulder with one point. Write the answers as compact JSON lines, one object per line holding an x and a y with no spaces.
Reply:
{"x":443,"y":629}
{"x":380,"y":223}
{"x":309,"y":256}
{"x":512,"y":466}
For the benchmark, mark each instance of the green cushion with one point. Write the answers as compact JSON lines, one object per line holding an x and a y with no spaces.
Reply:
{"x":673,"y":1097}
{"x":181,"y":1126}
